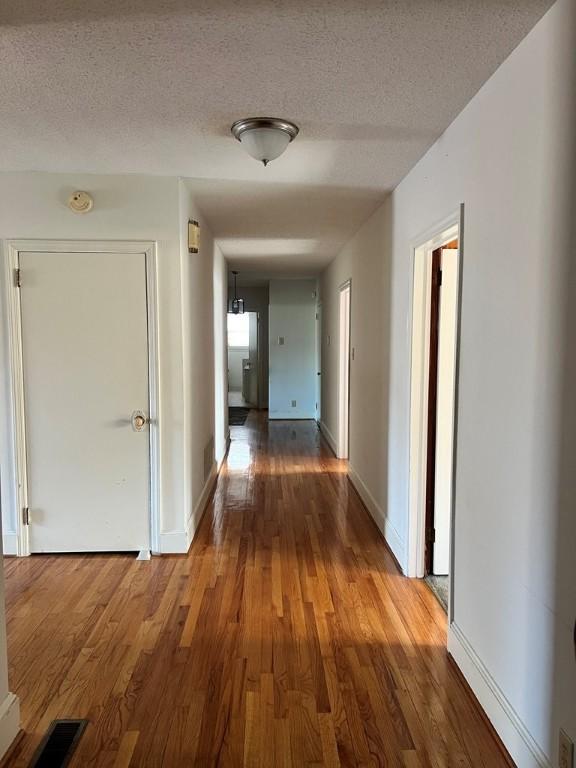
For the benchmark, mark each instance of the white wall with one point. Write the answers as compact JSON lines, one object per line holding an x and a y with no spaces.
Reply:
{"x":376,"y":452}
{"x":292,"y":365}
{"x":198,"y":353}
{"x":33,"y":205}
{"x":9,"y":703}
{"x":220,"y":282}
{"x":509,"y":157}
{"x":235,"y":357}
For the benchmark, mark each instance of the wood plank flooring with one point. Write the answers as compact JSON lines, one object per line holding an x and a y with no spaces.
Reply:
{"x":286,"y":637}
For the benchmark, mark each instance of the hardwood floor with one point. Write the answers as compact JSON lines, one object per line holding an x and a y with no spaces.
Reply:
{"x":286,"y":637}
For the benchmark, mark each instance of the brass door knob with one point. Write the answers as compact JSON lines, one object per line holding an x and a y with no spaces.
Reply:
{"x":139,"y":420}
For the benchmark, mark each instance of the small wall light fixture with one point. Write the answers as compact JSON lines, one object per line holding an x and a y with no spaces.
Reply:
{"x":193,"y":236}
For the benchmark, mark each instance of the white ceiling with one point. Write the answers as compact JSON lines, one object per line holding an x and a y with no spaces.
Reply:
{"x":144,"y":86}
{"x":281,"y":228}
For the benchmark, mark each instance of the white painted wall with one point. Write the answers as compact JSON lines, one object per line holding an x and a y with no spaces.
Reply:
{"x":293,"y":364}
{"x":235,"y":357}
{"x":198,"y":354}
{"x":509,"y":157}
{"x":33,"y":205}
{"x":376,"y":439}
{"x":220,"y":282}
{"x":9,"y":703}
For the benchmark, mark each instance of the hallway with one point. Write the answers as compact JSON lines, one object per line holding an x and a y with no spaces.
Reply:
{"x":285,"y":637}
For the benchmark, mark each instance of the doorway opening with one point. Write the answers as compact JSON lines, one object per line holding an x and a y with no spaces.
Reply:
{"x":318,"y":363}
{"x":243,"y":365}
{"x":344,"y":371}
{"x":435,"y":314}
{"x":440,"y":423}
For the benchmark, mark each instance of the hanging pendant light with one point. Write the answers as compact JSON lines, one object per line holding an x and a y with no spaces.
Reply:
{"x":236,"y":304}
{"x":264,"y":138}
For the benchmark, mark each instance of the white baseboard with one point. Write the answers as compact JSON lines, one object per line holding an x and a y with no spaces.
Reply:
{"x":525,"y":752}
{"x":387,"y":529}
{"x":291,"y":416}
{"x":9,"y":722}
{"x":10,"y":543}
{"x":198,"y":511}
{"x":222,"y":458}
{"x":174,"y":542}
{"x":329,"y":437}
{"x":178,"y":542}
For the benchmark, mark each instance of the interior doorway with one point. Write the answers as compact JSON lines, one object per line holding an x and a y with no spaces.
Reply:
{"x":318,"y":363}
{"x":243,"y":365}
{"x":435,"y":314}
{"x":344,"y":371}
{"x":441,"y":379}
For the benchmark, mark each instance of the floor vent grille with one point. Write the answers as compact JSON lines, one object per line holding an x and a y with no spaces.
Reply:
{"x":59,"y":743}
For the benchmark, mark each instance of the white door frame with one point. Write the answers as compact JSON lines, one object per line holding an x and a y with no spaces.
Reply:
{"x":17,"y":447}
{"x":318,"y":330}
{"x":422,"y":247}
{"x":344,"y":351}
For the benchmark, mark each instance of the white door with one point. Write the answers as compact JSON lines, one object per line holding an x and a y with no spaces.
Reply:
{"x":445,"y":409}
{"x":253,"y":373}
{"x":344,"y":372}
{"x":85,"y":359}
{"x":319,"y":363}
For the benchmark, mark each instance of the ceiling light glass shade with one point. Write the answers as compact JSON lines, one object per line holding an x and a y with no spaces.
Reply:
{"x":265,"y":144}
{"x":264,"y":138}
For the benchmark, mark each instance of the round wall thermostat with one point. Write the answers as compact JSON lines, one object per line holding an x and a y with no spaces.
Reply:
{"x":80,"y":202}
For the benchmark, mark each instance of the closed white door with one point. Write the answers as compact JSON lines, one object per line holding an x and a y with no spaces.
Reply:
{"x":253,"y":373}
{"x":85,"y":359}
{"x":344,"y":372}
{"x":319,"y":363}
{"x":447,"y":327}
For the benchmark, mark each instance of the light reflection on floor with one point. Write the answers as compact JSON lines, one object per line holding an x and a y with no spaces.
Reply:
{"x":240,"y":456}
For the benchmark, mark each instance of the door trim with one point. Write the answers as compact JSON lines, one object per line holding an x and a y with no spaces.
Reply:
{"x":432,"y":410}
{"x":17,"y":448}
{"x":318,"y":330}
{"x":344,"y":372}
{"x":421,"y":247}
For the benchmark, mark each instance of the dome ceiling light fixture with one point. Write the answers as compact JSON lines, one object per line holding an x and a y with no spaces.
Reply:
{"x":264,"y":138}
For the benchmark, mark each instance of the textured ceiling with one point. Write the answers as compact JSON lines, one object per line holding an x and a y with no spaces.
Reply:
{"x":112,"y":86}
{"x":288,"y":228}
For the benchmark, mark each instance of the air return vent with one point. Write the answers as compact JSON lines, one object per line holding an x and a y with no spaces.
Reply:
{"x":58,"y":746}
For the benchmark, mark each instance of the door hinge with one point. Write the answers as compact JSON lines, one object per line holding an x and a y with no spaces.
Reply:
{"x":439,"y":277}
{"x":431,"y":535}
{"x":17,"y":278}
{"x":26,"y":516}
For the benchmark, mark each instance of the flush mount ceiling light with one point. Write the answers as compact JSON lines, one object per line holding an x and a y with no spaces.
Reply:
{"x":264,"y":138}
